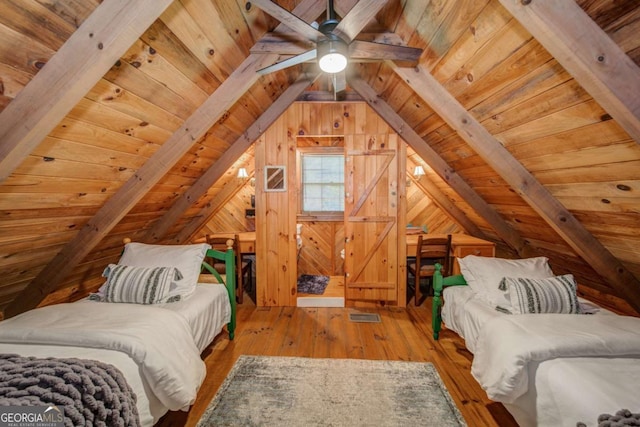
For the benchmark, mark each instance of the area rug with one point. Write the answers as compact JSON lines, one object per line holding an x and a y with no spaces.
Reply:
{"x":312,"y":284}
{"x":296,"y":391}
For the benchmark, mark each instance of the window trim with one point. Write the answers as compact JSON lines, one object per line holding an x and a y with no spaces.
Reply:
{"x":315,"y":215}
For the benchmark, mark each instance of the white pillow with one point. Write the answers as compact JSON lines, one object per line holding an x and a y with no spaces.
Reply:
{"x":139,"y":285}
{"x":484,"y":274}
{"x":551,"y":295}
{"x":186,"y":258}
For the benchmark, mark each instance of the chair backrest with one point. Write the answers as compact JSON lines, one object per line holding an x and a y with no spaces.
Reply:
{"x":223,"y":243}
{"x":220,"y":243}
{"x":434,"y":249}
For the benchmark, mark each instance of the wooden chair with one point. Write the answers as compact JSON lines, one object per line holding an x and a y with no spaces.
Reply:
{"x":243,"y":268}
{"x":429,"y":251}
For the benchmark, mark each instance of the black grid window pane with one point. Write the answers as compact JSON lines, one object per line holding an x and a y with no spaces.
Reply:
{"x":323,"y":183}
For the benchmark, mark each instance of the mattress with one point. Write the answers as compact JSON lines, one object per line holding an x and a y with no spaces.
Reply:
{"x":578,"y":389}
{"x":206,"y":312}
{"x":564,"y":390}
{"x":465,"y":314}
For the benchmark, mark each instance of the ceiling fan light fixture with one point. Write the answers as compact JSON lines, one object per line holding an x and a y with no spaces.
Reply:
{"x":332,"y":55}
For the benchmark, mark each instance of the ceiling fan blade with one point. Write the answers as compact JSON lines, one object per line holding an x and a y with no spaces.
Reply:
{"x":288,"y":19}
{"x":357,"y":18}
{"x":289,"y":62}
{"x":359,"y":49}
{"x":283,"y":43}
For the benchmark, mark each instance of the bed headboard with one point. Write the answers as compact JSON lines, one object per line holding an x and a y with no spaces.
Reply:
{"x":439,"y":283}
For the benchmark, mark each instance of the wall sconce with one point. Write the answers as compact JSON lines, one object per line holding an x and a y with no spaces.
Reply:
{"x":242,"y":173}
{"x":418,"y":171}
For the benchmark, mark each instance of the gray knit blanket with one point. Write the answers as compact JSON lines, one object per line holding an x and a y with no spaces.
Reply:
{"x":622,"y":418}
{"x":92,"y":393}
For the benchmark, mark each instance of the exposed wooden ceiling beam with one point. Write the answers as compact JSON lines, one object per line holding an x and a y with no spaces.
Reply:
{"x":587,"y":53}
{"x":522,"y":181}
{"x":343,"y":7}
{"x":357,"y":18}
{"x":233,"y":153}
{"x":139,"y":184}
{"x":290,"y":20}
{"x":217,"y":203}
{"x":447,"y":206}
{"x":150,"y":173}
{"x":79,"y":64}
{"x":440,"y":166}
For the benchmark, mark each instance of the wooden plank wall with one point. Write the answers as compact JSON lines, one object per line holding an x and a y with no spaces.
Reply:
{"x":422,"y":211}
{"x":162,"y":78}
{"x":231,"y":216}
{"x":523,"y":97}
{"x":324,"y":240}
{"x":475,"y":49}
{"x":275,"y":216}
{"x":276,"y":213}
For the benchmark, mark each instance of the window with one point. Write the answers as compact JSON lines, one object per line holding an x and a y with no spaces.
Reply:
{"x":322,"y":182}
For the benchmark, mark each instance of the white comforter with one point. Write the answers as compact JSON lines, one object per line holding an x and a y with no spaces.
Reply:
{"x":159,"y":341}
{"x":508,"y":344}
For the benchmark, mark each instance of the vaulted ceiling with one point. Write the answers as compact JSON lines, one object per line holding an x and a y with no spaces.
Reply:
{"x":127,"y":118}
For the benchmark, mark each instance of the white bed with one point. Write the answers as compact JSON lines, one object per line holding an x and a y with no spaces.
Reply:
{"x":549,"y":369}
{"x":156,"y":346}
{"x":205,"y":314}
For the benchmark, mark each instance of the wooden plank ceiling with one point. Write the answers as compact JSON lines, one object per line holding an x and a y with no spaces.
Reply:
{"x":125,"y":118}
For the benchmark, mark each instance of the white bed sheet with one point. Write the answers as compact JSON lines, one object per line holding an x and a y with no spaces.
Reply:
{"x":568,"y":390}
{"x":465,"y":314}
{"x":565,"y":390}
{"x":207,"y":311}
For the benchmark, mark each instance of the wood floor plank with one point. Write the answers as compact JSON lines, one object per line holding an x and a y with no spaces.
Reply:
{"x":280,"y":327}
{"x":403,"y":334}
{"x":298,"y":340}
{"x":352,"y":338}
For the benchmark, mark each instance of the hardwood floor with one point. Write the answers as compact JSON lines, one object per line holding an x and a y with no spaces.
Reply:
{"x":403,"y":334}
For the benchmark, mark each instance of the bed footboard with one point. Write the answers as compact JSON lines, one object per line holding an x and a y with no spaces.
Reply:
{"x":439,"y":283}
{"x":229,"y":259}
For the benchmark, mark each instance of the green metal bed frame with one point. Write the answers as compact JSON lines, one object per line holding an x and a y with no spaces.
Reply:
{"x":229,"y":259}
{"x":439,"y":283}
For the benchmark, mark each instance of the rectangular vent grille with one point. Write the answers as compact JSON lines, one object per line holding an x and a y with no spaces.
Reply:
{"x":364,"y":317}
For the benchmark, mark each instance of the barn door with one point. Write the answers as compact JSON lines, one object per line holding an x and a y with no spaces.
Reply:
{"x":371,"y":217}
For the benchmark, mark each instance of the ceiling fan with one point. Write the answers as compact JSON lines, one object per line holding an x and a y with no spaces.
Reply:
{"x":336,"y":43}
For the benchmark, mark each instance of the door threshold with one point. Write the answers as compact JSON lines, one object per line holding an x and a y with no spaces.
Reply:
{"x":320,"y":302}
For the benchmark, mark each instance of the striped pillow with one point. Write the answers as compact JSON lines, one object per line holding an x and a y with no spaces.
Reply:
{"x":551,"y":295}
{"x":139,"y":285}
